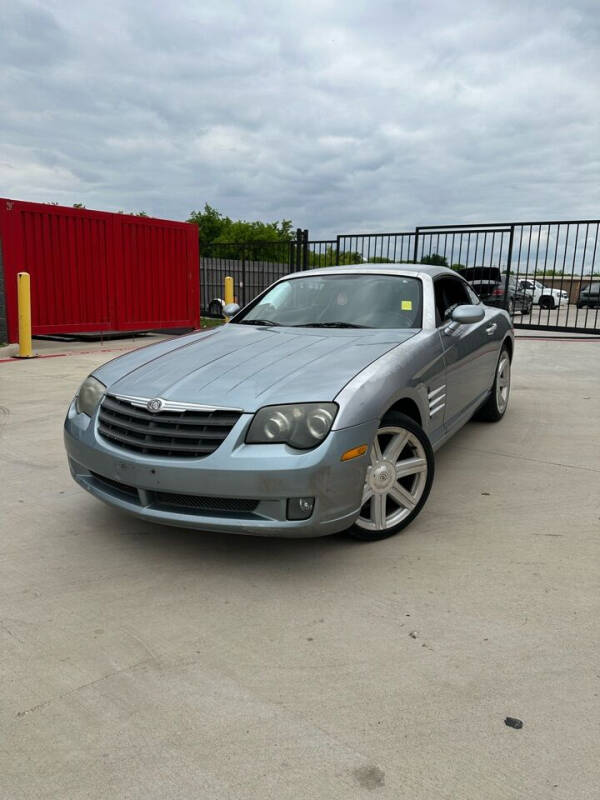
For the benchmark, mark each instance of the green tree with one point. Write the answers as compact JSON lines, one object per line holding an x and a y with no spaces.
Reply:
{"x":219,"y":235}
{"x":211,"y":223}
{"x":435,"y":259}
{"x":331,"y":258}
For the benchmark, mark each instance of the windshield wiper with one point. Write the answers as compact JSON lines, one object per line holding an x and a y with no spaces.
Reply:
{"x":257,"y":322}
{"x":330,"y":325}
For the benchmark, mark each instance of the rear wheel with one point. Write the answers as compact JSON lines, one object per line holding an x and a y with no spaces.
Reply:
{"x":398,"y":479}
{"x":495,"y":406}
{"x":547,"y":303}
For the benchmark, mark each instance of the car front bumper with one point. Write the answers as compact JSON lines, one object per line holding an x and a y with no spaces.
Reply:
{"x":251,"y":483}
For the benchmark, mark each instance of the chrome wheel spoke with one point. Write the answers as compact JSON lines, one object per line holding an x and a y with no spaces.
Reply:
{"x":376,"y":454}
{"x":378,"y":511}
{"x":401,"y":496}
{"x":396,"y":446}
{"x":410,"y":466}
{"x":367,"y":494}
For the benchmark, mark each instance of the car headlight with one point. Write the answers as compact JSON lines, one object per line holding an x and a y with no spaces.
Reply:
{"x":301,"y":425}
{"x":89,"y":396}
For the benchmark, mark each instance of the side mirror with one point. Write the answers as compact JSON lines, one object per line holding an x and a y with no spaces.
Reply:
{"x":467,"y":315}
{"x":464,"y":315}
{"x":230,"y":309}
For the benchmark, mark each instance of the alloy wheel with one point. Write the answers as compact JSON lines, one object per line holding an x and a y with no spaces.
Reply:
{"x":395,"y":480}
{"x":503,"y":382}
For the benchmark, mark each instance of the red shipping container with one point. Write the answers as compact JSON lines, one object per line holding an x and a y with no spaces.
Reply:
{"x":97,"y":271}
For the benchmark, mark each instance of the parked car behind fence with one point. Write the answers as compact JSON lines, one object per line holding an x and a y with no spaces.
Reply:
{"x":543,"y":296}
{"x":589,"y":296}
{"x":491,"y":286}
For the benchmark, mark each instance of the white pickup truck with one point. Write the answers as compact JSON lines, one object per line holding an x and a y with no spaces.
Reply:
{"x":542,"y":295}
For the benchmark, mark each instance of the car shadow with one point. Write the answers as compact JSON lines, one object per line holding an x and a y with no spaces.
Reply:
{"x":181,"y":546}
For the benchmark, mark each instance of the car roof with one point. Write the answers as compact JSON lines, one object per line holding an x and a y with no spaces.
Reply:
{"x":395,"y":268}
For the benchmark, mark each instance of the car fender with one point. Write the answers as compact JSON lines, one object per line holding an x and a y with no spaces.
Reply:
{"x":410,"y":371}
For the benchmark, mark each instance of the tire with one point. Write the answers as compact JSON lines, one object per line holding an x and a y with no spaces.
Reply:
{"x":391,"y":502}
{"x":215,"y":308}
{"x":547,"y":303}
{"x":495,"y":406}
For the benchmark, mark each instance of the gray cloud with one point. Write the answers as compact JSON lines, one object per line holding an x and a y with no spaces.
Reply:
{"x":365,"y":116}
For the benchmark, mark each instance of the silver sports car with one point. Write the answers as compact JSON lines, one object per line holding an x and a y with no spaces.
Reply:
{"x":316,"y":409}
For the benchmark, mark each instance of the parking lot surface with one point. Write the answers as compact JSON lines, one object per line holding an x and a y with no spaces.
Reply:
{"x":141,"y":661}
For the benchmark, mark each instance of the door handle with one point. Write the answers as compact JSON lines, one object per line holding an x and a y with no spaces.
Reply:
{"x":491,"y":329}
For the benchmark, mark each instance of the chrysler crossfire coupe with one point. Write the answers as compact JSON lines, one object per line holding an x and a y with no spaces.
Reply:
{"x":316,"y":409}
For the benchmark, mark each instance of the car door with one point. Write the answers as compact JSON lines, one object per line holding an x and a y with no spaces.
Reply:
{"x":528,"y":287}
{"x":470,"y":351}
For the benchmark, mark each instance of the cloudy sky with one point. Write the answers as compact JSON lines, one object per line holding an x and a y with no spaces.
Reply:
{"x":343,"y":116}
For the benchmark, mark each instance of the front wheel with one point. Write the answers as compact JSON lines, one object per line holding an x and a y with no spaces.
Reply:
{"x":398,"y":479}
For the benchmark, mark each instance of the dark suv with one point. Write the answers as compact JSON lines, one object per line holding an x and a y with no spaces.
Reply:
{"x":589,"y":296}
{"x":490,"y":285}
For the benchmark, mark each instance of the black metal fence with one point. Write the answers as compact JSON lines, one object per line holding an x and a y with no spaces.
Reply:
{"x":252,"y":265}
{"x":555,"y":263}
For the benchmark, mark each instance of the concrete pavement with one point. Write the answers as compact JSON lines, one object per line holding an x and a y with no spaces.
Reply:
{"x":149,"y":662}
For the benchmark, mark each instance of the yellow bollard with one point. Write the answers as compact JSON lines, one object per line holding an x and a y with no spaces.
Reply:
{"x":24,"y":302}
{"x":228,"y":292}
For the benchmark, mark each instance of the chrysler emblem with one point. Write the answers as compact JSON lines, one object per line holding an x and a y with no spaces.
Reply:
{"x":154,"y":405}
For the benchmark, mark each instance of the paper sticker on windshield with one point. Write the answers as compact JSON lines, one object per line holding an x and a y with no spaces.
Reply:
{"x":407,"y":305}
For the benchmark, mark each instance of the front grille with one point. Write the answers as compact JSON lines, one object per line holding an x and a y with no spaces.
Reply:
{"x":180,"y":434}
{"x":182,"y":503}
{"x":109,"y":483}
{"x":190,"y":502}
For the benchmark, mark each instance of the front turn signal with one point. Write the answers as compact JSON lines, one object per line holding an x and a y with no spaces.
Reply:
{"x":355,"y":452}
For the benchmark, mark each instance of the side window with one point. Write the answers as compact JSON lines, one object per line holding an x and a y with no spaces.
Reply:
{"x":475,"y":301}
{"x":449,"y":293}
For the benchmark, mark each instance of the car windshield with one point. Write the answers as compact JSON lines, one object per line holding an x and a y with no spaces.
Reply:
{"x":340,"y":301}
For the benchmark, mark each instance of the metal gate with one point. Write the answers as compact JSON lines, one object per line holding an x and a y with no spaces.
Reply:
{"x":553,"y":263}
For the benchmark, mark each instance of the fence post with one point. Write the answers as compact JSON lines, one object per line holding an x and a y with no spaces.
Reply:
{"x":416,"y":249}
{"x":305,"y":249}
{"x":243,"y":286}
{"x":511,"y":237}
{"x":337,"y":249}
{"x":298,"y":249}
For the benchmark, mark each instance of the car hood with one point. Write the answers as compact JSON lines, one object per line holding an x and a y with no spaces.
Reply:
{"x":248,"y":367}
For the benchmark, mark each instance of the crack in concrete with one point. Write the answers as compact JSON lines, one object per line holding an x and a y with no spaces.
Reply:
{"x":526,"y":458}
{"x":46,"y":703}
